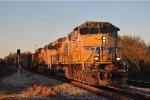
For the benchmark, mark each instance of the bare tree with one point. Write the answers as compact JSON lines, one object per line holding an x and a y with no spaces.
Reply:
{"x":134,"y":49}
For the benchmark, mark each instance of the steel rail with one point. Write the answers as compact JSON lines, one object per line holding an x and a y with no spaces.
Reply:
{"x":137,"y":95}
{"x":138,"y":83}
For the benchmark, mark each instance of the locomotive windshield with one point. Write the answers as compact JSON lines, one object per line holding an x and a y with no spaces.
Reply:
{"x":111,"y":31}
{"x":50,"y":47}
{"x":84,"y":31}
{"x":107,"y":30}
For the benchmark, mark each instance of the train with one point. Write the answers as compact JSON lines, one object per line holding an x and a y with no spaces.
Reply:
{"x":90,"y":54}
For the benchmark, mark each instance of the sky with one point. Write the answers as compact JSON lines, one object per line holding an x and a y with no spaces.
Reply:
{"x":28,"y":25}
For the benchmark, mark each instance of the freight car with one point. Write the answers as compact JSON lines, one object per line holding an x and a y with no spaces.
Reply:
{"x":26,"y":60}
{"x":91,"y":54}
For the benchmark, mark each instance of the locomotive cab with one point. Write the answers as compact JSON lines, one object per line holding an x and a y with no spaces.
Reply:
{"x":99,"y":38}
{"x":100,"y":52}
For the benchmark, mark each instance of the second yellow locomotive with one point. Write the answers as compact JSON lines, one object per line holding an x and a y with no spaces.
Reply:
{"x":91,"y":54}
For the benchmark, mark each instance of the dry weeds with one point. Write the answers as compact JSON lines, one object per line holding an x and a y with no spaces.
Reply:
{"x":41,"y":90}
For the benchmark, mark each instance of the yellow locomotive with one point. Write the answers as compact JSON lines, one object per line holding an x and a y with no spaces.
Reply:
{"x":91,"y":54}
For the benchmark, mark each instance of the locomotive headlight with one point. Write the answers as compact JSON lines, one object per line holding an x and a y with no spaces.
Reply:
{"x":118,"y":58}
{"x":96,"y":58}
{"x":103,"y":39}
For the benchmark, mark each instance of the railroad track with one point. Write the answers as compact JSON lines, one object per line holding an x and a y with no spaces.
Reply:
{"x":138,"y":83}
{"x":128,"y":93}
{"x":114,"y":93}
{"x":108,"y":92}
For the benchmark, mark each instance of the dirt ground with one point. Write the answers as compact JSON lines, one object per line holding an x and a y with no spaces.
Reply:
{"x":35,"y":91}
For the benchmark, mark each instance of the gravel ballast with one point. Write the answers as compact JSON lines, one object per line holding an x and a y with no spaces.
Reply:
{"x":27,"y":82}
